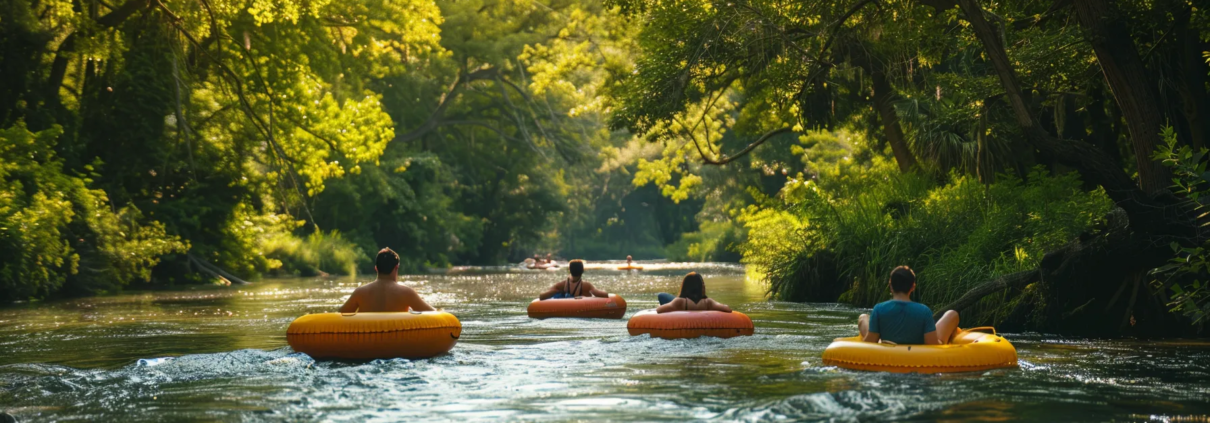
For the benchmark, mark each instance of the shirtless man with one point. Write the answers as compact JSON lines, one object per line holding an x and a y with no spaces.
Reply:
{"x":385,"y":294}
{"x":574,"y":286}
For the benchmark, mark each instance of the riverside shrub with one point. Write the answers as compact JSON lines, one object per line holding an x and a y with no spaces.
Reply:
{"x":59,"y":235}
{"x":837,"y":236}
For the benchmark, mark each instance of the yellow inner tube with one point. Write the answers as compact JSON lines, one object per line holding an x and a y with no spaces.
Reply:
{"x":374,"y":335}
{"x":968,"y":351}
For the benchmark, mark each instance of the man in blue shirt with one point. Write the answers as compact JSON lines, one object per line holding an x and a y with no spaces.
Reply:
{"x":903,"y":321}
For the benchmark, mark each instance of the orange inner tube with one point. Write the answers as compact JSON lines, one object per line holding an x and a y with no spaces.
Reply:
{"x":364,"y":336}
{"x":690,"y":324}
{"x":612,"y":307}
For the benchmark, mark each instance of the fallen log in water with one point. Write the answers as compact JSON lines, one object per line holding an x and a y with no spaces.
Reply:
{"x":215,"y":271}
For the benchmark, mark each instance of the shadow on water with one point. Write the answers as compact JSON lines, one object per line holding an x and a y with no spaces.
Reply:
{"x":110,"y":358}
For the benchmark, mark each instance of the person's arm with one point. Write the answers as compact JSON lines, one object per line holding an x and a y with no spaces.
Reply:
{"x":930,"y":330}
{"x":871,"y":334}
{"x":717,"y":306}
{"x":417,"y":303}
{"x":673,"y":305}
{"x":931,"y":338}
{"x":351,"y":304}
{"x":594,"y":291}
{"x":551,"y":292}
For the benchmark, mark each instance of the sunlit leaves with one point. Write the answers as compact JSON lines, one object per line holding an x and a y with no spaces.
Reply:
{"x":55,"y":229}
{"x":697,"y":131}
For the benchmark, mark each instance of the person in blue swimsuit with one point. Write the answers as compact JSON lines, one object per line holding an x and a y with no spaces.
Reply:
{"x":693,"y":297}
{"x":903,"y":321}
{"x":574,"y":286}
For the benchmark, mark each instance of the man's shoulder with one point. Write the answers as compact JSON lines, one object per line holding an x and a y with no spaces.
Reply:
{"x":883,"y":305}
{"x":920,"y":307}
{"x":911,"y":305}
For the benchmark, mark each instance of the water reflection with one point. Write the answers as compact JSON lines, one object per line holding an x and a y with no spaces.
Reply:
{"x":79,"y":359}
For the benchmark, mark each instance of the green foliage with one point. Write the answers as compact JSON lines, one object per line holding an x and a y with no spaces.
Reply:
{"x":713,"y":241}
{"x":859,"y":220}
{"x":317,"y":254}
{"x":1187,"y":276}
{"x":58,"y":233}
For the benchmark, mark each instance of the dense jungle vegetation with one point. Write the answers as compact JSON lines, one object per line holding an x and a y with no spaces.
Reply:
{"x":1040,"y":163}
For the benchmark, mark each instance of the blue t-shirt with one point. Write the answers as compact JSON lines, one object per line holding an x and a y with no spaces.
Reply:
{"x":902,"y":322}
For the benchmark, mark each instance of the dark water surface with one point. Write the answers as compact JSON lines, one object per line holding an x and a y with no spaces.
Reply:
{"x":94,"y":359}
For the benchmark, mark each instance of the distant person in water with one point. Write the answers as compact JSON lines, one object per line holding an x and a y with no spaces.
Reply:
{"x":903,"y":321}
{"x":548,"y":259}
{"x":629,"y":261}
{"x":385,"y":294}
{"x":693,"y":297}
{"x":573,"y":286}
{"x":537,"y":260}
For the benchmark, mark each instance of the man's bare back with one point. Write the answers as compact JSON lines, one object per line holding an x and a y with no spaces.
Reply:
{"x":385,"y":294}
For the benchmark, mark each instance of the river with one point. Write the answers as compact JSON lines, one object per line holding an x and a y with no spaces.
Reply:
{"x":100,"y":359}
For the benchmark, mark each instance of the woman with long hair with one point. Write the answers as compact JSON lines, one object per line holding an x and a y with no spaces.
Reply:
{"x":693,"y":297}
{"x":574,"y":286}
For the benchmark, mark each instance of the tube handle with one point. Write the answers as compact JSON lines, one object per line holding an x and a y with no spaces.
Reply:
{"x":982,"y":329}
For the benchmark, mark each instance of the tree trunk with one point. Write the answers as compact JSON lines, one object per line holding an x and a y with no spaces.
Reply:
{"x":1093,"y":164}
{"x":1078,"y":280}
{"x":1193,"y":71}
{"x":1134,"y":91}
{"x":883,"y":95}
{"x":1103,"y":135}
{"x":58,"y":67}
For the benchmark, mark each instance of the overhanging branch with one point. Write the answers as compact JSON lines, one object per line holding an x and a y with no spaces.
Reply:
{"x":728,"y":159}
{"x":1015,"y":280}
{"x":434,"y":119}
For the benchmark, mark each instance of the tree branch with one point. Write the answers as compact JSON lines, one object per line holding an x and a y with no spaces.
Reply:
{"x":977,"y":293}
{"x":746,"y":150}
{"x":452,"y":93}
{"x":58,"y":68}
{"x":215,"y":271}
{"x":477,"y":123}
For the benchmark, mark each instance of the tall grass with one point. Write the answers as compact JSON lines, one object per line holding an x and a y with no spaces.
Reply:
{"x":315,"y":254}
{"x":838,"y":238}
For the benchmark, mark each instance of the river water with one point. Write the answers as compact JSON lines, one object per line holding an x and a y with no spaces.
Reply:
{"x":105,"y":359}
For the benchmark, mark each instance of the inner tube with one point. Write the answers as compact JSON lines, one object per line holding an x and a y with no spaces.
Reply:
{"x":612,"y":307}
{"x":968,"y":351}
{"x":630,"y":267}
{"x":690,"y":324}
{"x":364,"y":336}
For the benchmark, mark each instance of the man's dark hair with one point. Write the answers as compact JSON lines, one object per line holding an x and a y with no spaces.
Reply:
{"x":576,"y":267}
{"x":902,"y":279}
{"x":386,"y":261}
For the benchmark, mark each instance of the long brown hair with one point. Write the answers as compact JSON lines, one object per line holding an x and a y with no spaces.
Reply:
{"x":693,"y":287}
